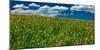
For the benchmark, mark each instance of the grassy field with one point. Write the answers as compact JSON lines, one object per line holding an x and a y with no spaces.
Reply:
{"x":27,"y":31}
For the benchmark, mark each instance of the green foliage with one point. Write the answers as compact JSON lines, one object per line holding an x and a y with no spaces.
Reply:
{"x":28,"y":31}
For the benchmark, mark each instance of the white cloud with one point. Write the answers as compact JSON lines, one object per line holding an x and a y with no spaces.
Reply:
{"x":42,"y":11}
{"x":34,"y":4}
{"x":55,"y":8}
{"x":87,"y":8}
{"x":58,"y":8}
{"x":33,"y":12}
{"x":20,"y":6}
{"x":46,"y":7}
{"x":51,"y":11}
{"x":21,"y":11}
{"x":16,"y":11}
{"x":47,"y":11}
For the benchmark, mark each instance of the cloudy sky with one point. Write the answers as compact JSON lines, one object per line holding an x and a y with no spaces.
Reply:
{"x":53,"y":9}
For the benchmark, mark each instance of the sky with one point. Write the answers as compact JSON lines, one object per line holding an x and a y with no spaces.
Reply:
{"x":75,"y":11}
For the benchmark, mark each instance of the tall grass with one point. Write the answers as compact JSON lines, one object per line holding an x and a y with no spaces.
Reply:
{"x":28,"y":31}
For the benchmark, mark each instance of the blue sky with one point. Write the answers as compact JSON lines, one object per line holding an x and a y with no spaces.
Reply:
{"x":76,"y":11}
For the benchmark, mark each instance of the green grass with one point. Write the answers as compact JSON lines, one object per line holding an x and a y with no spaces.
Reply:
{"x":27,"y":31}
